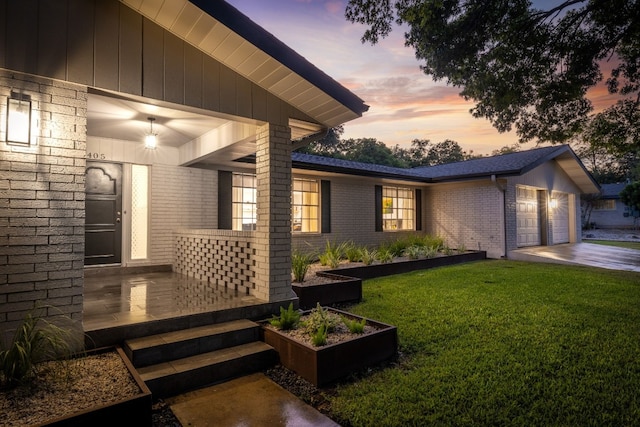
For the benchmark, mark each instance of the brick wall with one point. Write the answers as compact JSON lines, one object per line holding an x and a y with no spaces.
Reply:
{"x":469,"y":215}
{"x":273,"y":228}
{"x":222,"y":257}
{"x":42,"y":203}
{"x":180,"y":198}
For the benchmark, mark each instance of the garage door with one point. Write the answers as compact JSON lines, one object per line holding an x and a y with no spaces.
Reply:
{"x":527,"y":217}
{"x":560,"y":218}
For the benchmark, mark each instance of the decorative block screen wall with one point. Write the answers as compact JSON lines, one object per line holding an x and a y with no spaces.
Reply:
{"x":226,"y":258}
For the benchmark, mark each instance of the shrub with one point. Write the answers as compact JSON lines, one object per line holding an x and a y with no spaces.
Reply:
{"x":300,"y":265}
{"x":287,"y":320}
{"x":36,"y":340}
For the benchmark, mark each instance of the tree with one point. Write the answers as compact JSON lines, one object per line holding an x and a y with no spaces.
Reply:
{"x":605,"y":167}
{"x":524,"y":67}
{"x":327,"y":146}
{"x":630,"y":195}
{"x":507,"y":149}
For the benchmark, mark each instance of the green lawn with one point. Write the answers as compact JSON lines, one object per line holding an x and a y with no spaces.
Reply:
{"x":503,"y":343}
{"x":617,"y":243}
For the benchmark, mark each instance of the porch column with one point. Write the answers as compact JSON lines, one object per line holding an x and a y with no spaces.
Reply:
{"x":273,"y":229}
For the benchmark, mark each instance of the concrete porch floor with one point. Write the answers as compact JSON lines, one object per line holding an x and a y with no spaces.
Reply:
{"x":588,"y":254}
{"x":112,"y":300}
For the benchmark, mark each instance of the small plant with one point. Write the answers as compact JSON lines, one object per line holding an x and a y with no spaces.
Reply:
{"x":368,"y":256}
{"x":430,"y":252}
{"x":433,"y":242}
{"x":319,"y":317}
{"x":332,"y":254}
{"x":287,"y":320}
{"x":355,"y":326}
{"x":300,"y":265}
{"x":447,"y":250}
{"x":352,"y":252}
{"x":413,"y":252}
{"x":329,"y":259}
{"x":462,"y":248}
{"x":36,"y":340}
{"x":319,"y":337}
{"x":385,"y":255}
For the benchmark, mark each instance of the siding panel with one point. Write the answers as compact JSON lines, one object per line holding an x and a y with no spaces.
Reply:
{"x":173,"y":68}
{"x":106,"y":45}
{"x":193,"y":79}
{"x":52,"y":39}
{"x":130,"y":51}
{"x":152,"y":60}
{"x":23,"y":47}
{"x":80,"y":42}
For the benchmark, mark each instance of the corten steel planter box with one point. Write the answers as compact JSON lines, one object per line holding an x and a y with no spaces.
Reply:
{"x":323,"y":365}
{"x":343,"y":289}
{"x":135,"y":410}
{"x":380,"y":270}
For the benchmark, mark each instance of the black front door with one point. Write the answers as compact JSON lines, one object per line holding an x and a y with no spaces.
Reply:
{"x":103,"y":210}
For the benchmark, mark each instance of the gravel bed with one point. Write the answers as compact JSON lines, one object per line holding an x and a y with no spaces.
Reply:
{"x":63,"y":388}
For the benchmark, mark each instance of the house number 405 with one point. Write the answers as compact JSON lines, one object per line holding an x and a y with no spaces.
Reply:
{"x":96,"y":156}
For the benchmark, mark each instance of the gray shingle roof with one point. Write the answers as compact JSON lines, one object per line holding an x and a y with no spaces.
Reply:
{"x":506,"y":164}
{"x":612,"y":191}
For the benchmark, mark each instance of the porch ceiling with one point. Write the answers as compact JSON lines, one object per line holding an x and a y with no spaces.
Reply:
{"x":201,"y":138}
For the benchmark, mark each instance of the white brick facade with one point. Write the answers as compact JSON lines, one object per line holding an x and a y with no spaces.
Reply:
{"x":180,"y":198}
{"x":471,"y":215}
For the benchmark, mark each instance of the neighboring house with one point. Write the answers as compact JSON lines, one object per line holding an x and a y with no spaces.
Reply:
{"x":221,"y":197}
{"x":609,"y":211}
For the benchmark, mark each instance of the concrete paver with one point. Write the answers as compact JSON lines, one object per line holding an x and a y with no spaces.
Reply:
{"x":248,"y":401}
{"x":591,"y":254}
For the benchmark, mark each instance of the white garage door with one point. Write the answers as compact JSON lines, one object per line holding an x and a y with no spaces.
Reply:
{"x":527,"y":217}
{"x":560,"y":218}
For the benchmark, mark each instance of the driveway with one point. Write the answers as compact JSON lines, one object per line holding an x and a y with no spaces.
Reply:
{"x":590,"y":254}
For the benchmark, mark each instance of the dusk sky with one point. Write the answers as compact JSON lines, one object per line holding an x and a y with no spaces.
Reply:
{"x":405,"y":104}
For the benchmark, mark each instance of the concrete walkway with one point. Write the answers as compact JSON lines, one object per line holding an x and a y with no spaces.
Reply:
{"x":589,"y":254}
{"x":248,"y":401}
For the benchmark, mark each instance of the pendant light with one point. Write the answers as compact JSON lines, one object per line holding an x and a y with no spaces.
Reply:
{"x":151,"y":139}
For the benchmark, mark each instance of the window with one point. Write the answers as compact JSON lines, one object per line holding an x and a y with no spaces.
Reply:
{"x":397,"y":209}
{"x":305,"y":206}
{"x":605,"y":205}
{"x":244,"y":202}
{"x":139,"y":211}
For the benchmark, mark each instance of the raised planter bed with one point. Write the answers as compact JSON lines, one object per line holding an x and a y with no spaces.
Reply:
{"x":341,"y":290}
{"x":379,"y":270}
{"x":323,"y":365}
{"x":135,"y":410}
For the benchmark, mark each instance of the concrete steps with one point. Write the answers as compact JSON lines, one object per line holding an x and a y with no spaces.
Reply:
{"x":174,"y":362}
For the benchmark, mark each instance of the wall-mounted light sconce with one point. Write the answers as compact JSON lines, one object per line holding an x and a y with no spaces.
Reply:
{"x":151,"y":139}
{"x":553,"y":203}
{"x":19,"y":119}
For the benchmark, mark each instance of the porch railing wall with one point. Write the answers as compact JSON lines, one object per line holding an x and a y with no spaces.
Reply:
{"x":223,"y":257}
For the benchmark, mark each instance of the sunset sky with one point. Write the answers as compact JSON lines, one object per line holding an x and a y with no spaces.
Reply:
{"x":405,"y":104}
